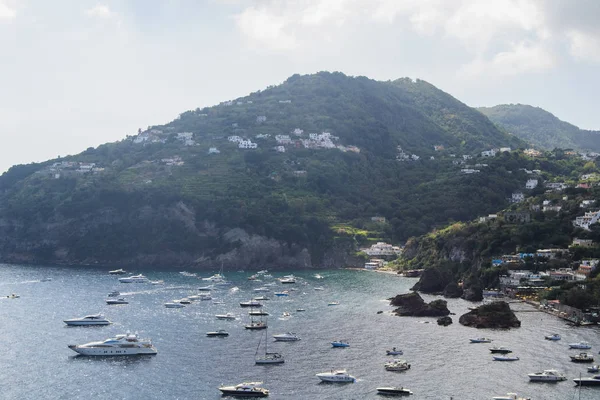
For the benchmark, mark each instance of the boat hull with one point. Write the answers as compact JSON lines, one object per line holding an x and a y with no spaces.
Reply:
{"x":334,"y":379}
{"x":393,"y":391}
{"x":86,"y":323}
{"x":107,"y":351}
{"x":239,"y":393}
{"x":587,"y":382}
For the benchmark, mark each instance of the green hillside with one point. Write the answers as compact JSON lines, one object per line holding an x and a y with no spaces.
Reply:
{"x":541,"y":128}
{"x":185,"y":193}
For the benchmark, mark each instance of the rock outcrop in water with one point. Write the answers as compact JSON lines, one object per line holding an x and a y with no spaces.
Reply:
{"x":444,"y":321}
{"x":496,"y":315}
{"x":413,"y":305}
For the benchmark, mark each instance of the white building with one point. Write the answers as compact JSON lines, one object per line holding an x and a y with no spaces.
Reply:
{"x":247,"y":144}
{"x":283,"y":139}
{"x":383,"y":249}
{"x":517,"y":197}
{"x":280,"y":149}
{"x":262,"y":136}
{"x":589,"y":218}
{"x":260,"y":119}
{"x":531,"y":184}
{"x":235,"y":139}
{"x":556,"y":186}
{"x":504,"y":149}
{"x":469,"y":171}
{"x":213,"y":150}
{"x":185,"y":135}
{"x":587,"y":203}
{"x":297,"y":131}
{"x":552,"y":208}
{"x":488,"y":153}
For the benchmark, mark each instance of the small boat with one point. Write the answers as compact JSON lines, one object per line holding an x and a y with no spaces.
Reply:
{"x":582,"y":358}
{"x":256,"y":325}
{"x":13,"y":296}
{"x":333,"y":303}
{"x":394,"y":352}
{"x":510,"y":396}
{"x":262,"y":298}
{"x":500,"y":350}
{"x":481,"y":340}
{"x":246,"y":389}
{"x":120,"y":345}
{"x":268,"y":357}
{"x":286,"y":314}
{"x":394,"y":391}
{"x":174,"y":304}
{"x":397,"y":365}
{"x":282,"y":294}
{"x":114,"y":293}
{"x":262,"y":271}
{"x":193,"y":297}
{"x":338,"y":376}
{"x":286,"y":337}
{"x":506,"y":358}
{"x":97,"y":319}
{"x":319,"y":288}
{"x":185,"y":301}
{"x":46,"y":280}
{"x":116,"y":300}
{"x":119,"y":271}
{"x":594,"y":369}
{"x":219,"y":333}
{"x":262,"y":289}
{"x":159,"y":282}
{"x":288,"y":279}
{"x":318,"y":276}
{"x":206,"y":288}
{"x":190,"y":274}
{"x":580,"y":345}
{"x":250,"y":303}
{"x":593,"y":381}
{"x":134,"y":279}
{"x":548,"y":375}
{"x":218,"y":302}
{"x":253,"y":277}
{"x":227,"y":316}
{"x":554,"y":336}
{"x":205,"y":296}
{"x":340,"y":343}
{"x":258,"y":313}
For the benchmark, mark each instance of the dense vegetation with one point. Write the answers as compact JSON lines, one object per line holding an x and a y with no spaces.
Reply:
{"x":304,"y":197}
{"x":541,"y":128}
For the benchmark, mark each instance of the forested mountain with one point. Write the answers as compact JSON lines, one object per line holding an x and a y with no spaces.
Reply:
{"x":541,"y":128}
{"x":288,"y":176}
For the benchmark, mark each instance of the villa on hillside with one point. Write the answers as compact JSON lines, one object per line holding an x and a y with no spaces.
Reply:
{"x":531,"y":184}
{"x":382,"y":249}
{"x":582,"y":242}
{"x":589,"y":218}
{"x":247,"y":144}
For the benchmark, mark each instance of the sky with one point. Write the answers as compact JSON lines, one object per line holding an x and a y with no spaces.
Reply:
{"x":76,"y":73}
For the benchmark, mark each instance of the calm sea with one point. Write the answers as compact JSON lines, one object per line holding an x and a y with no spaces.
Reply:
{"x":35,"y":362}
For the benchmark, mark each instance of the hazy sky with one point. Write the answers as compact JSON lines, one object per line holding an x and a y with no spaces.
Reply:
{"x":78,"y":73}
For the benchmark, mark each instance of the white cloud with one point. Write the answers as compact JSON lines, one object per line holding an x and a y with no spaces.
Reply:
{"x":99,"y":11}
{"x":6,"y":12}
{"x":263,"y":29}
{"x":584,"y":46}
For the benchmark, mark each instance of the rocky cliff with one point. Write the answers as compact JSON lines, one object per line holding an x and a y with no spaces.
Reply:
{"x":496,"y":315}
{"x":413,"y":305}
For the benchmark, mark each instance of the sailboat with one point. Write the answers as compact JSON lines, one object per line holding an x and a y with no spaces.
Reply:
{"x":256,"y":324}
{"x":218,"y":279}
{"x":267,"y":358}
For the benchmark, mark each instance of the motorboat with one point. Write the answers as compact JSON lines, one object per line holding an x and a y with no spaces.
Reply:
{"x":185,"y":300}
{"x":206,"y":288}
{"x":505,"y":358}
{"x":227,"y":316}
{"x":219,"y":333}
{"x":262,"y":298}
{"x":333,"y":303}
{"x":46,"y":280}
{"x":193,"y":297}
{"x":394,"y":352}
{"x":594,"y":369}
{"x":554,"y":336}
{"x":174,"y":304}
{"x":319,"y":288}
{"x":258,"y":313}
{"x":134,"y":279}
{"x":397,"y":365}
{"x":282,"y":294}
{"x":548,"y":375}
{"x":262,"y":289}
{"x":253,"y":277}
{"x":340,"y":343}
{"x":121,"y":345}
{"x":593,"y":381}
{"x":582,"y":358}
{"x":510,"y":396}
{"x":339,"y":376}
{"x":114,"y":293}
{"x":262,"y":272}
{"x":13,"y":296}
{"x":205,"y":296}
{"x":285,"y":314}
{"x":119,"y":271}
{"x":286,"y":337}
{"x":481,"y":340}
{"x":116,"y":300}
{"x":245,"y":389}
{"x":300,"y":309}
{"x":580,"y":345}
{"x":250,"y":303}
{"x":158,"y":282}
{"x":188,"y":274}
{"x":318,"y":276}
{"x":96,"y":319}
{"x":214,"y":278}
{"x":500,"y":350}
{"x":394,"y":391}
{"x":288,"y":279}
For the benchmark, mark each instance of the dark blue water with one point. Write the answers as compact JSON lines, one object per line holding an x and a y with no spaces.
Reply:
{"x":35,"y":362}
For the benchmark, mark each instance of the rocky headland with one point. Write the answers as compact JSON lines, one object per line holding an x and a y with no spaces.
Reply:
{"x":496,"y":315}
{"x":413,"y":305}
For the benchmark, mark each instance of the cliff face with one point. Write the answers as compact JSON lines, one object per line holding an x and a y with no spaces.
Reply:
{"x":57,"y":242}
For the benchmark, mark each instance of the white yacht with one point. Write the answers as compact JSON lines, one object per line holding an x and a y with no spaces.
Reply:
{"x":174,"y":304}
{"x":262,"y":289}
{"x":119,"y":271}
{"x":396,"y":365}
{"x":120,"y":345}
{"x":228,"y":316}
{"x":97,"y":319}
{"x":286,"y":337}
{"x":245,"y":389}
{"x":510,"y":396}
{"x":114,"y":293}
{"x":134,"y":279}
{"x":250,"y":303}
{"x":394,"y":391}
{"x":288,"y":279}
{"x":158,"y":282}
{"x":116,"y":300}
{"x":580,"y":345}
{"x":548,"y":375}
{"x":340,"y":375}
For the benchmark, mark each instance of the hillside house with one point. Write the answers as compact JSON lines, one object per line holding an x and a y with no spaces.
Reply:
{"x":556,"y":186}
{"x":260,"y":119}
{"x":297,"y":132}
{"x":582,"y":242}
{"x":299,"y":173}
{"x":531,"y":184}
{"x":247,"y":144}
{"x":587,"y":177}
{"x":551,"y":208}
{"x":561,"y":274}
{"x":262,"y":136}
{"x":517,"y":197}
{"x":382,"y":249}
{"x":234,"y":139}
{"x":504,"y":149}
{"x":488,"y":153}
{"x":280,"y":149}
{"x":584,"y":186}
{"x":380,"y":220}
{"x":469,"y":171}
{"x":466,"y":157}
{"x":185,"y":135}
{"x":587,"y":203}
{"x":285,"y":101}
{"x":213,"y":150}
{"x":173,"y":161}
{"x":550,"y":253}
{"x":283,"y":139}
{"x":438,"y":147}
{"x":589,"y":218}
{"x":532,"y":153}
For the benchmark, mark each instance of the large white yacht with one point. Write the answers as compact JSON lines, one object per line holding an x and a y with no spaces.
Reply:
{"x":245,"y":389}
{"x":119,"y":271}
{"x":120,"y":345}
{"x":339,"y":375}
{"x":548,"y":375}
{"x":286,"y":337}
{"x":97,"y":319}
{"x":134,"y":279}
